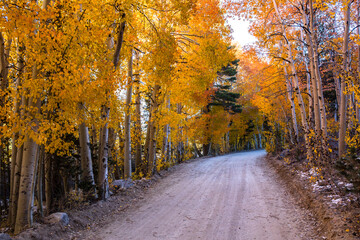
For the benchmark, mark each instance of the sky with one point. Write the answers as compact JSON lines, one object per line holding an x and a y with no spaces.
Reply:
{"x":241,"y":33}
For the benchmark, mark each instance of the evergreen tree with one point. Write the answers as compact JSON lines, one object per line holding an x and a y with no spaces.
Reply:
{"x":223,"y":95}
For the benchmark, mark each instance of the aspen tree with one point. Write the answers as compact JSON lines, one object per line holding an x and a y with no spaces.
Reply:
{"x":345,"y":66}
{"x":127,"y":152}
{"x":103,"y":181}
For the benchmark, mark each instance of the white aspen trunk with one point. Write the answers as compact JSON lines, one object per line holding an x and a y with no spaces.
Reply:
{"x":260,"y":141}
{"x":40,"y":177}
{"x":103,"y":181}
{"x":165,"y":144}
{"x":294,"y":73}
{"x":147,"y":142}
{"x":180,"y":143}
{"x":169,"y":152}
{"x":298,"y":90}
{"x":314,"y":85}
{"x":138,"y":131}
{"x":152,"y":137}
{"x":338,"y":92}
{"x":343,"y":103}
{"x":29,"y":162}
{"x":317,"y":74}
{"x":296,"y":83}
{"x":292,"y":104}
{"x":15,"y":159}
{"x":259,"y":136}
{"x":87,"y":174}
{"x":308,"y":81}
{"x":24,"y":210}
{"x":255,"y":142}
{"x":288,"y":126}
{"x":28,"y":170}
{"x":15,"y":189}
{"x":127,"y":150}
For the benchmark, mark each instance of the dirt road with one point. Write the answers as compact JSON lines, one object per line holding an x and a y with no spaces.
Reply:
{"x":228,"y":197}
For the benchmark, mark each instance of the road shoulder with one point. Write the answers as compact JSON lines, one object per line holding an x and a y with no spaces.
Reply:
{"x":331,"y":223}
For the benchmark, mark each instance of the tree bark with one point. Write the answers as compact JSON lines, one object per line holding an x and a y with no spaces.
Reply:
{"x":26,"y":191}
{"x":127,"y":152}
{"x":40,"y":176}
{"x":180,"y":144}
{"x":152,"y":130}
{"x":138,"y":131}
{"x":87,"y":174}
{"x":314,"y":85}
{"x":103,"y":181}
{"x":292,"y":104}
{"x":317,"y":74}
{"x":48,"y":183}
{"x":295,"y":82}
{"x":165,"y":144}
{"x":4,"y":82}
{"x":28,"y":168}
{"x":343,"y":101}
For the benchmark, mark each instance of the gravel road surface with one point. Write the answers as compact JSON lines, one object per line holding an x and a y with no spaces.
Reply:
{"x":230,"y":197}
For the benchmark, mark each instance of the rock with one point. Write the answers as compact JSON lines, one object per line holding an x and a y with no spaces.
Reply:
{"x":5,"y":236}
{"x":59,"y":217}
{"x":123,"y":184}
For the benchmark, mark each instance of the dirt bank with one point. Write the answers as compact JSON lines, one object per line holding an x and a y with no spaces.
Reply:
{"x":335,"y":216}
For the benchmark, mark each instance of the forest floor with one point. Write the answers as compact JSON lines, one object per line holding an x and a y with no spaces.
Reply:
{"x":237,"y":196}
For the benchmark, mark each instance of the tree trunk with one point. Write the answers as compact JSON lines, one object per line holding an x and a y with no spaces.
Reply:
{"x":308,"y":80}
{"x":103,"y":181}
{"x":4,"y":142}
{"x":296,"y":83}
{"x":255,"y":141}
{"x":26,"y":191}
{"x":113,"y":155}
{"x":138,"y":131}
{"x":87,"y":174}
{"x":48,"y":183}
{"x":180,"y":142}
{"x":15,"y":158}
{"x":152,"y":137}
{"x":338,"y":95}
{"x":127,"y":152}
{"x":40,"y":181}
{"x":206,"y":147}
{"x":259,"y":136}
{"x":317,"y":74}
{"x":343,"y":101}
{"x":165,"y":145}
{"x":197,"y":152}
{"x":292,"y":104}
{"x":28,"y":169}
{"x":314,"y":85}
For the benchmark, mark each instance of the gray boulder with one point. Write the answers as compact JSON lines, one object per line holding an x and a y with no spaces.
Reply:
{"x":5,"y":236}
{"x":59,"y":217}
{"x":122,"y":184}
